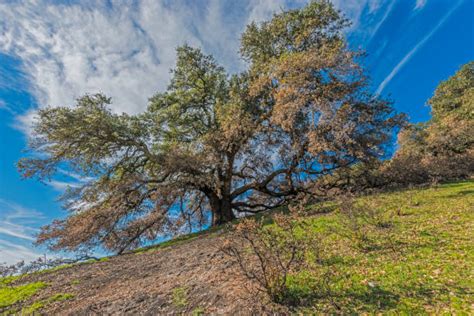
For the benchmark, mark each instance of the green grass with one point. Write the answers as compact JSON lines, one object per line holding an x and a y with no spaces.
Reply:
{"x":10,"y":295}
{"x":420,"y":259}
{"x":63,"y":266}
{"x":198,"y":311}
{"x":178,"y":240}
{"x":75,"y":282}
{"x":36,"y":306}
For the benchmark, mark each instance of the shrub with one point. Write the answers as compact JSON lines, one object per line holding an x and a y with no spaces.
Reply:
{"x":269,"y":254}
{"x":366,"y":225}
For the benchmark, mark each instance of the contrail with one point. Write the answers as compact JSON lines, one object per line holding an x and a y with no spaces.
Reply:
{"x":414,"y":50}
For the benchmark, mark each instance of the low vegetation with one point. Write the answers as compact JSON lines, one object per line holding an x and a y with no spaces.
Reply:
{"x":404,"y":252}
{"x":12,"y":295}
{"x":180,"y":297}
{"x":38,"y":305}
{"x":407,"y":251}
{"x":297,"y":140}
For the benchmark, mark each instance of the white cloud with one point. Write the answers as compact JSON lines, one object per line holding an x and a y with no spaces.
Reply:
{"x":385,"y":15}
{"x":410,"y":54}
{"x":63,"y":185}
{"x":72,"y":180}
{"x":67,"y":50}
{"x":16,"y":220}
{"x":75,"y":176}
{"x":367,"y":17}
{"x":17,"y":230}
{"x":123,"y":51}
{"x":11,"y":253}
{"x":14,"y":211}
{"x":420,"y":4}
{"x":5,"y":107}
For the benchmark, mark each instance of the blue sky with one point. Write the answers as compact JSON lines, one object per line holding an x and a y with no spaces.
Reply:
{"x":52,"y":52}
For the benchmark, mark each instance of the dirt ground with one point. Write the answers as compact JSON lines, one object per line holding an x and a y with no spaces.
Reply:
{"x":193,"y":277}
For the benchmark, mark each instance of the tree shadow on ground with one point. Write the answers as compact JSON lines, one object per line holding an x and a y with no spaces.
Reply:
{"x":375,"y":299}
{"x":459,"y":194}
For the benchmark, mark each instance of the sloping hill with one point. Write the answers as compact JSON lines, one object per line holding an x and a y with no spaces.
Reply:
{"x":432,"y":274}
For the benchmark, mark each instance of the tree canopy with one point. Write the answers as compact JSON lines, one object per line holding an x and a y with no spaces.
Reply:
{"x":443,"y":147}
{"x":215,"y":146}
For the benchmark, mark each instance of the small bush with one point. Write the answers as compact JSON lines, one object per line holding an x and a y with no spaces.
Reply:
{"x":269,"y":254}
{"x":366,"y":225}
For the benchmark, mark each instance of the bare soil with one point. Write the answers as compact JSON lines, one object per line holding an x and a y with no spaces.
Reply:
{"x":192,"y":277}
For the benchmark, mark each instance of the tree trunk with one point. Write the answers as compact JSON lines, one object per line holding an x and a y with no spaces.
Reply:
{"x":221,"y":211}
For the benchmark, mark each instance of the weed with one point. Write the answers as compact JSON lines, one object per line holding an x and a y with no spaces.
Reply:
{"x":180,"y":297}
{"x":198,"y":311}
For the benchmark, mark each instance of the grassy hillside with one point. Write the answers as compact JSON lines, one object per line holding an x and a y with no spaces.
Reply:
{"x":422,"y":264}
{"x":413,"y":252}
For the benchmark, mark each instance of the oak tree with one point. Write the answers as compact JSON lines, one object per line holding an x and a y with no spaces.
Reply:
{"x":443,"y":147}
{"x":213,"y":145}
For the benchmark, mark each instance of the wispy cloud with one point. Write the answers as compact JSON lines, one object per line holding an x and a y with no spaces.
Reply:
{"x":68,"y":179}
{"x":420,"y":4}
{"x":5,"y":107}
{"x":11,"y":252}
{"x":410,"y":54}
{"x":13,"y":211}
{"x":17,"y":230}
{"x":67,"y":50}
{"x":385,"y":15}
{"x":63,"y":185}
{"x":70,"y":49}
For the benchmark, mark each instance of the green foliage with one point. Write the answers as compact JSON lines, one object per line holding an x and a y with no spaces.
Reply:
{"x":36,"y":306}
{"x":182,"y":113}
{"x":198,"y":311}
{"x":10,"y":295}
{"x":180,"y":297}
{"x":455,"y":95}
{"x":292,"y":31}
